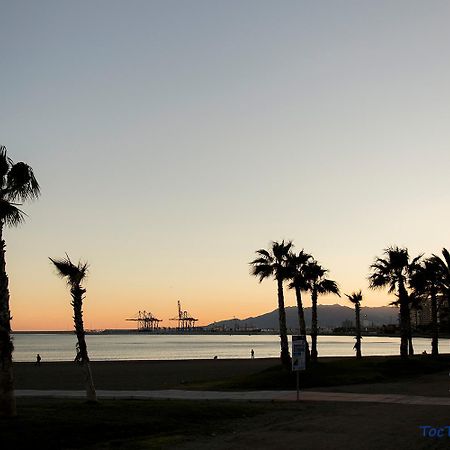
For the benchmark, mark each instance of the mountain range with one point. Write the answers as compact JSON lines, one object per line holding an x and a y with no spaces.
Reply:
{"x":329,"y":316}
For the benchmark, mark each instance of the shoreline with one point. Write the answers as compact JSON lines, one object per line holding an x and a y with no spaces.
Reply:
{"x":175,"y":332}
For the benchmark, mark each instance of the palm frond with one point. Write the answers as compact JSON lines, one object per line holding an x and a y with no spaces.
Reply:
{"x":4,"y":165}
{"x":10,"y":214}
{"x":281,"y":249}
{"x":75,"y":274}
{"x":295,"y":269}
{"x":21,"y":183}
{"x":326,"y":286}
{"x":378,"y":280}
{"x":446,"y":255}
{"x":264,"y":253}
{"x":262,"y":271}
{"x":260,"y":261}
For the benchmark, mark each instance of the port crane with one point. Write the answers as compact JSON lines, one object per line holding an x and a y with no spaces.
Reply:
{"x":146,"y":321}
{"x":185,"y":321}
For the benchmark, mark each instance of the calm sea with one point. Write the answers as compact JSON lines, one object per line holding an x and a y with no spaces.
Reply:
{"x":61,"y":347}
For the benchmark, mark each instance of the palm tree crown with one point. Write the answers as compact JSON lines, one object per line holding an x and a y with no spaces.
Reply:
{"x":393,"y":270}
{"x":355,"y":297}
{"x":75,"y":274}
{"x":316,"y":279}
{"x":17,"y":184}
{"x":271,"y":262}
{"x":296,"y":264}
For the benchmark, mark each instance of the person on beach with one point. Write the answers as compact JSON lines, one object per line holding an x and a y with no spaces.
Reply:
{"x":252,"y":354}
{"x":38,"y":360}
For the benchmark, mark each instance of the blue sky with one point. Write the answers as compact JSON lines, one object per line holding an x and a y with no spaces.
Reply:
{"x":174,"y":138}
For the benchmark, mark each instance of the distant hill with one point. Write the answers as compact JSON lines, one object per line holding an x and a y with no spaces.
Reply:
{"x":329,"y":316}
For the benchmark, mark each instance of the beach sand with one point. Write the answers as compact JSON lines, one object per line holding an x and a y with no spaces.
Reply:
{"x":131,"y":375}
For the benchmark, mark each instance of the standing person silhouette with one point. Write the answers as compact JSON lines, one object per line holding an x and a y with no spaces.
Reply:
{"x":38,"y":360}
{"x":252,"y":354}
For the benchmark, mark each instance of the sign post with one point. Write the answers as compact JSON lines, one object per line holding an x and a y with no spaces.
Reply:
{"x":298,"y":358}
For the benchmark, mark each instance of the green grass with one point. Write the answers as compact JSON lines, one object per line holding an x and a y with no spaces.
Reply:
{"x":334,"y":372}
{"x":125,"y":424}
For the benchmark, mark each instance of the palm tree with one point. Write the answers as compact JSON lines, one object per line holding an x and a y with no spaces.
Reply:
{"x":427,"y":280}
{"x":17,"y":184}
{"x":296,"y":263}
{"x":317,"y":284}
{"x":75,"y":275}
{"x":393,"y":272}
{"x":356,"y":298}
{"x":272,"y":263}
{"x":444,"y":264}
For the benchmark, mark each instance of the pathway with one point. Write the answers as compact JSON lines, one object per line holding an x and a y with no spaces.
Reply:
{"x":245,"y":396}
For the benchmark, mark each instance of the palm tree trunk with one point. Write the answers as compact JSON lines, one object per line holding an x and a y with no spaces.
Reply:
{"x":285,"y":356}
{"x":434,"y":321}
{"x":7,"y":398}
{"x":77,"y":296}
{"x":410,"y":339}
{"x":358,"y":330}
{"x":301,"y":318}
{"x":404,"y":319}
{"x":314,"y":353}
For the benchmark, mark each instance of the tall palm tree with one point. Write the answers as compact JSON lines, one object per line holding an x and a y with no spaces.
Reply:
{"x":427,"y":280}
{"x":444,"y":264}
{"x":17,"y":184}
{"x":317,"y":284}
{"x":296,"y":263}
{"x":356,"y":298}
{"x":393,"y":272}
{"x":272,"y":263}
{"x":75,"y":275}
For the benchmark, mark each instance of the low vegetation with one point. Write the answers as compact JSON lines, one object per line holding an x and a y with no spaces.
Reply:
{"x":125,"y":424}
{"x":335,"y":372}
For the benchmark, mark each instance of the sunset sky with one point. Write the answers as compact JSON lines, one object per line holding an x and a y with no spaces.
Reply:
{"x":172,"y":139}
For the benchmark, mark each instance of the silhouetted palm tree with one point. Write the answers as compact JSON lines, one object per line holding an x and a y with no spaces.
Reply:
{"x":75,"y":274}
{"x":393,"y":272}
{"x":356,"y":298}
{"x":444,"y":264}
{"x":17,"y":184}
{"x":272,"y":263}
{"x":296,"y":263}
{"x":427,"y":280}
{"x":317,"y":284}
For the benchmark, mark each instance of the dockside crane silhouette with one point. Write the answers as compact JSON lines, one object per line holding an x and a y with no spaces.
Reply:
{"x":146,"y":321}
{"x":185,"y":321}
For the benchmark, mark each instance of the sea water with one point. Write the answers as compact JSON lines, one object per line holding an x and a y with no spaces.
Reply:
{"x":114,"y":347}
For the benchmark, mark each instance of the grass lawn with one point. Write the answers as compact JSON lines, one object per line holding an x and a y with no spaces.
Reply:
{"x":199,"y":425}
{"x":335,"y":372}
{"x":127,"y":424}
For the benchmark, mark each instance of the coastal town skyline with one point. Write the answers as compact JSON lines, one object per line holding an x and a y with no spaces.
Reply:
{"x":171,"y":143}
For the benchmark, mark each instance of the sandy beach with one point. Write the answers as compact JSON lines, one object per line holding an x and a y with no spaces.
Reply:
{"x":129,"y":375}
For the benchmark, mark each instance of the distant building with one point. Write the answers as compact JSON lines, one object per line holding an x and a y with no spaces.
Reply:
{"x":422,"y":316}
